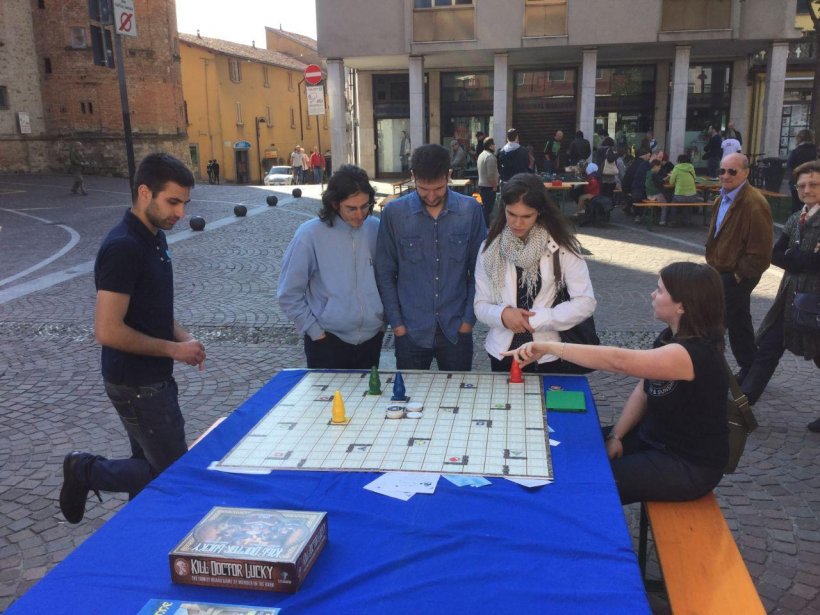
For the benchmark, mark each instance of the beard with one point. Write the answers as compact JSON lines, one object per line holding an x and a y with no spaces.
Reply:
{"x":154,"y":217}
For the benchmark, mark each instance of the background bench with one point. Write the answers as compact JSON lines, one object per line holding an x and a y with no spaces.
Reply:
{"x":646,"y":215}
{"x":703,"y":571}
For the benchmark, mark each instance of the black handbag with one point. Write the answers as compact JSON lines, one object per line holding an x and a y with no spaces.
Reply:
{"x":806,"y":311}
{"x":582,"y":333}
{"x":741,"y":422}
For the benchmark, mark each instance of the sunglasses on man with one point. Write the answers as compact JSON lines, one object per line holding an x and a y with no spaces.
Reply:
{"x":731,"y":172}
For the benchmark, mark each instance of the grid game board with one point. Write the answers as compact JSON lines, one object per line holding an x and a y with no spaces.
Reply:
{"x":473,"y":423}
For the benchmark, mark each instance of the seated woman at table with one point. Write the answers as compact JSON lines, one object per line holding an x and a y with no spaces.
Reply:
{"x":671,"y":440}
{"x":514,"y":278}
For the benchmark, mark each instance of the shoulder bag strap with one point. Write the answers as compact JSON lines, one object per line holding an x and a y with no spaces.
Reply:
{"x":741,"y":401}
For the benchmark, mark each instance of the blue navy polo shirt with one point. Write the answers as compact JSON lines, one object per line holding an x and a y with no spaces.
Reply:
{"x":135,"y":262}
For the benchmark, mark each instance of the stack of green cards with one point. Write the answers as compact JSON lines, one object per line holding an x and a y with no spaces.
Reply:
{"x":566,"y":401}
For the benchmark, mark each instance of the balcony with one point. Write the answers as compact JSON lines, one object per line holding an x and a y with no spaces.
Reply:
{"x":682,"y":15}
{"x":545,"y":18}
{"x":444,"y":24}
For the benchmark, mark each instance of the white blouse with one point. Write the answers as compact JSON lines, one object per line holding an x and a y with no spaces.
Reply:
{"x":548,"y":321}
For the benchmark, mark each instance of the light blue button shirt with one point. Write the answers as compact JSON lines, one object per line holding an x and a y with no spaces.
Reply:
{"x":727,"y":198}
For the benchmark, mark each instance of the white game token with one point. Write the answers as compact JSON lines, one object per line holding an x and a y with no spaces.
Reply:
{"x":395,"y":412}
{"x":415,"y":406}
{"x":414,"y":415}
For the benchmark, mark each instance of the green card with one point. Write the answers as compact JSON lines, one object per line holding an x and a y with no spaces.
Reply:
{"x":566,"y":401}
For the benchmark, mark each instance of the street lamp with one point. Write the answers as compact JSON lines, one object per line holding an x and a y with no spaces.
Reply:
{"x":259,"y":120}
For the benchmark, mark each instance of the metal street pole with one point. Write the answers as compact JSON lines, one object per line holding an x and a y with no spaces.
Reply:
{"x":126,"y":112}
{"x":299,"y":96}
{"x":319,"y":139}
{"x":260,"y":120}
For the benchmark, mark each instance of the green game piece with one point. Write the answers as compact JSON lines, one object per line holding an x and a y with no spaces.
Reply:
{"x":375,"y":383}
{"x":566,"y":401}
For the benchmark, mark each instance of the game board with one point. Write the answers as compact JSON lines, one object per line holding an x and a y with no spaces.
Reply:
{"x":472,"y":423}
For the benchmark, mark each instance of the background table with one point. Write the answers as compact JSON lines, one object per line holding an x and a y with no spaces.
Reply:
{"x":563,"y":548}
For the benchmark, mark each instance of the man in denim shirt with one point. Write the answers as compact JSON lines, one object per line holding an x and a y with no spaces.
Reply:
{"x":425,"y":256}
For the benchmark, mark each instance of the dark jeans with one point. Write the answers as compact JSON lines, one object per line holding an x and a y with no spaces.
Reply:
{"x":712,"y":165}
{"x":449,"y":357}
{"x":156,"y":431}
{"x":549,"y":367}
{"x":334,"y":353}
{"x":739,"y":319}
{"x":487,"y":203}
{"x":649,"y":473}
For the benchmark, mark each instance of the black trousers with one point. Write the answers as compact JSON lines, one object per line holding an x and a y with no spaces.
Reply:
{"x":739,"y":319}
{"x":487,"y":203}
{"x":334,"y":353}
{"x":548,"y":367}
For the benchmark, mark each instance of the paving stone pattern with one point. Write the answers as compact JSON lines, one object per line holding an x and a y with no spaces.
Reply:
{"x":52,"y":400}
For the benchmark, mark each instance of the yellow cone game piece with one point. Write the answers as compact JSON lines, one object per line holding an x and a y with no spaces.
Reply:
{"x":338,"y":415}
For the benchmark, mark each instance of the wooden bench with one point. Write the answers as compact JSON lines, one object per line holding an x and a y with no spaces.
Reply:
{"x":702,"y":569}
{"x":398,"y":186}
{"x":646,"y":217}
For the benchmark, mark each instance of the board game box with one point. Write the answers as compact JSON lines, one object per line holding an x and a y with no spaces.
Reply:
{"x":250,"y":548}
{"x":160,"y":606}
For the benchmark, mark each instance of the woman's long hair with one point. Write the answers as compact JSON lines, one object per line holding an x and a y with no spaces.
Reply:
{"x":699,"y":289}
{"x":529,"y":189}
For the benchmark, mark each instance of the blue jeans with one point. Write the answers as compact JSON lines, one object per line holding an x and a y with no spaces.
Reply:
{"x":649,"y":473}
{"x":156,"y":430}
{"x":317,"y":175}
{"x":449,"y":357}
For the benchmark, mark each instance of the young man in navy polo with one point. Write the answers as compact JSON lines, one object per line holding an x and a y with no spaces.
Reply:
{"x":134,"y":323}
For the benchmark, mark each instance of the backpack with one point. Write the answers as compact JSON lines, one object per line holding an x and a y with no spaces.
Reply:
{"x":611,"y":155}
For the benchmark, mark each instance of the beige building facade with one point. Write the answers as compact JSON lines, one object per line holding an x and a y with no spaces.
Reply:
{"x":437,"y":70}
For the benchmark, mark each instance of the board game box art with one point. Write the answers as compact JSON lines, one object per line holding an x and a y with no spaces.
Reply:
{"x":160,"y":606}
{"x":250,"y":548}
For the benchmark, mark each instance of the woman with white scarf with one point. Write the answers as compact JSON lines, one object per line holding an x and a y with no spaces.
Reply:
{"x":514,"y":279}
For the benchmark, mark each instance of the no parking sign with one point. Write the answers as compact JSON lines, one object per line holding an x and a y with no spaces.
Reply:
{"x":125,"y":22}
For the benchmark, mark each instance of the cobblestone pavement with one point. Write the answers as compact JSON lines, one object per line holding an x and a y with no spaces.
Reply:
{"x":52,"y":402}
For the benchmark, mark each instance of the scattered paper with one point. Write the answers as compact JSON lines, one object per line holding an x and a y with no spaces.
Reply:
{"x":554,"y":442}
{"x":530,"y":482}
{"x":403,"y":485}
{"x":460,"y":480}
{"x":551,"y":429}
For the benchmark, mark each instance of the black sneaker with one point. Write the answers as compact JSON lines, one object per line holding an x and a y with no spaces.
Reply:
{"x":74,"y":492}
{"x":815,"y":426}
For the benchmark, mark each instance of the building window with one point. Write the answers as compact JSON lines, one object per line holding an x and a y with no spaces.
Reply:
{"x":292,"y":118}
{"x":545,"y":18}
{"x":239,"y":121}
{"x":4,"y":97}
{"x":696,"y":15}
{"x":47,"y":65}
{"x":265,"y":77}
{"x":557,"y":75}
{"x":290,"y":82}
{"x":41,"y":4}
{"x":443,"y":20}
{"x":86,"y":107}
{"x":234,"y":70}
{"x":78,"y":39}
{"x":268,"y":117}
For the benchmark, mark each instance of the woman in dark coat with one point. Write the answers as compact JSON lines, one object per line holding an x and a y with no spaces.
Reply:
{"x":806,"y":151}
{"x":797,"y":251}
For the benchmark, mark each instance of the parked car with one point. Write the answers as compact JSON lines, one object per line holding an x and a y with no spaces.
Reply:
{"x":279,"y":176}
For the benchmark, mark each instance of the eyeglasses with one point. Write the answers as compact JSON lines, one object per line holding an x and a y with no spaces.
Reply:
{"x":731,"y":172}
{"x":807,"y":186}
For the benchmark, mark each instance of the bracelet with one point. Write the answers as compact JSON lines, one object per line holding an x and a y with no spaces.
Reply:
{"x":613,"y":436}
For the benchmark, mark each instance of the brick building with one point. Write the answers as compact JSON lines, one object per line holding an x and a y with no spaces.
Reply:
{"x":47,"y":54}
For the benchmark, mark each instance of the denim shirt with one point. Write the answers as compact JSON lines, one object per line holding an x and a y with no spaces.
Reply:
{"x":425,"y":265}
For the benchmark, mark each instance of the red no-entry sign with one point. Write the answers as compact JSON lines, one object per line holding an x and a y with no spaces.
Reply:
{"x":313,"y":74}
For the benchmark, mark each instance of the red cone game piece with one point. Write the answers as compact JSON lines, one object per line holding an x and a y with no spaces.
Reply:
{"x":515,"y":373}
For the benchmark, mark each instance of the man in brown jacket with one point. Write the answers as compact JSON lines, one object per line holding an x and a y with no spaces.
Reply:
{"x":739,"y":246}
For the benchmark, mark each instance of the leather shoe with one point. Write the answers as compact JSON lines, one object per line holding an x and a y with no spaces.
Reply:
{"x":74,"y":492}
{"x":815,"y":426}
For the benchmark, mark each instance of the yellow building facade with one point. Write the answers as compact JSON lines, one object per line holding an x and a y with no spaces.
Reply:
{"x":245,"y":108}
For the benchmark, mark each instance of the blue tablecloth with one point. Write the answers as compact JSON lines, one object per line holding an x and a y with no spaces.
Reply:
{"x":563,"y":548}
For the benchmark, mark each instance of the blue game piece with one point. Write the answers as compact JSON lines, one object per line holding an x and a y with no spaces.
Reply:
{"x":398,"y":388}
